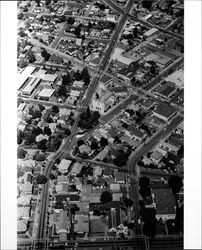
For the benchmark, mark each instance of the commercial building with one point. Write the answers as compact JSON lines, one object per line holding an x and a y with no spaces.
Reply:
{"x":64,"y":165}
{"x":46,"y":94}
{"x":151,"y":32}
{"x":164,"y":111}
{"x":177,"y":78}
{"x":165,"y":203}
{"x":24,"y":75}
{"x":103,"y":103}
{"x":31,"y":85}
{"x":49,"y":78}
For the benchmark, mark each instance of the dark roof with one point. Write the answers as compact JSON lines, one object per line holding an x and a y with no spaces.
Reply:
{"x":164,"y":110}
{"x":119,"y":89}
{"x":105,"y":79}
{"x":97,"y":226}
{"x":108,"y":171}
{"x":56,"y":58}
{"x":135,"y":131}
{"x":164,"y":201}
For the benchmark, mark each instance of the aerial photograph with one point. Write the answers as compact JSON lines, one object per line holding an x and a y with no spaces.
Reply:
{"x":100,"y":124}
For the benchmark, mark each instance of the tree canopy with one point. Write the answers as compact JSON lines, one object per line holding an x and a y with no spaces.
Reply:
{"x":144,"y":181}
{"x":41,"y":179}
{"x":106,"y":197}
{"x":21,"y":153}
{"x":175,"y":182}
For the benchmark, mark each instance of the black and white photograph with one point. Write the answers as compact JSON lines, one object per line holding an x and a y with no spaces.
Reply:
{"x":98,"y":125}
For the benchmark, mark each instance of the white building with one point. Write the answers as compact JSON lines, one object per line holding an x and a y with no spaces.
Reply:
{"x":103,"y":103}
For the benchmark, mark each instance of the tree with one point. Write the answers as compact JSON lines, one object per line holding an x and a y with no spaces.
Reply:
{"x":70,"y":20}
{"x":47,"y":2}
{"x":29,"y":139}
{"x":19,"y":140}
{"x":55,"y":109}
{"x":36,"y":114}
{"x":135,"y":32}
{"x":80,"y":142}
{"x":106,"y":197}
{"x":94,"y":145}
{"x":67,"y":132}
{"x":149,"y":229}
{"x":38,"y":2}
{"x":147,"y":4}
{"x":175,"y":182}
{"x":131,"y":225}
{"x":78,"y":76}
{"x":42,"y":144}
{"x":20,"y":16}
{"x":52,"y":176}
{"x":41,"y":179}
{"x":31,"y":57}
{"x":86,"y":80}
{"x":128,"y":202}
{"x":22,"y":64}
{"x":103,"y":142}
{"x":62,"y":90}
{"x":21,"y":33}
{"x":37,"y":130}
{"x":180,"y":152}
{"x":21,"y":153}
{"x":41,"y":107}
{"x":77,"y":31}
{"x":144,"y":181}
{"x":145,"y":192}
{"x":47,"y":131}
{"x":85,"y":72}
{"x":66,"y":79}
{"x":40,"y":157}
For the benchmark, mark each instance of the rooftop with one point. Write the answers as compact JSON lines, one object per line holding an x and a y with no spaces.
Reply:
{"x":164,"y":201}
{"x":46,"y":93}
{"x":165,"y":110}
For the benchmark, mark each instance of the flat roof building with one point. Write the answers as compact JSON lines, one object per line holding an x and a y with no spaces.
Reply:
{"x":49,"y":78}
{"x":32,"y":84}
{"x":177,"y":78}
{"x":151,"y":32}
{"x":165,"y":203}
{"x":164,"y":111}
{"x":64,"y":165}
{"x":46,"y":93}
{"x":24,"y":74}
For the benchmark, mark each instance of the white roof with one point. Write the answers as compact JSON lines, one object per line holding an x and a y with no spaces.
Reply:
{"x":114,"y":186}
{"x":75,"y":93}
{"x":64,"y":164}
{"x":46,"y":93}
{"x":23,"y":212}
{"x":65,"y":111}
{"x":117,"y":196}
{"x":21,"y":106}
{"x":78,"y":83}
{"x":49,"y":77}
{"x":24,"y":74}
{"x":24,"y":200}
{"x":31,"y":86}
{"x":76,"y":168}
{"x":151,"y":32}
{"x":21,"y":225}
{"x":176,"y":77}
